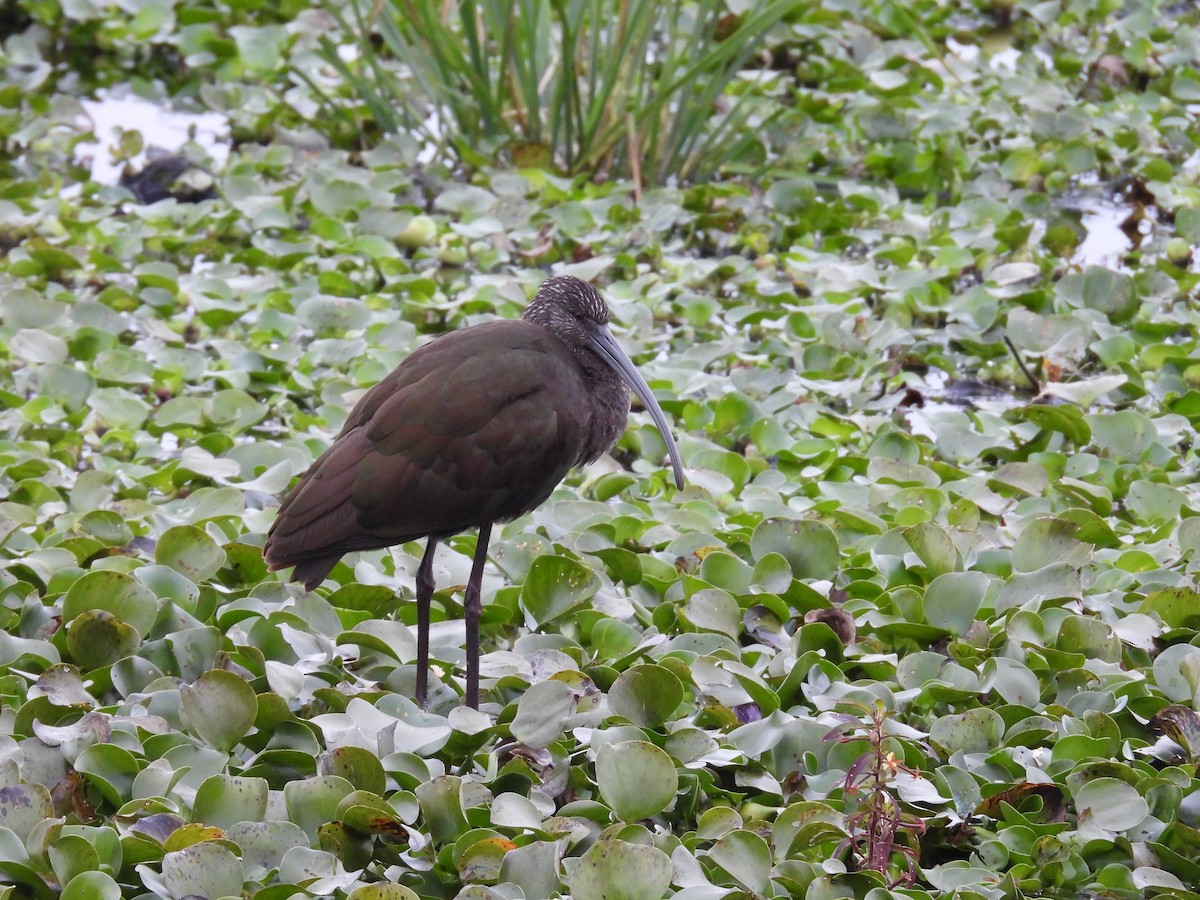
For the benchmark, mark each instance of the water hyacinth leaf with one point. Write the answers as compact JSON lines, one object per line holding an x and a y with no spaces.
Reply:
{"x":542,"y":712}
{"x":482,"y":861}
{"x":613,"y":639}
{"x":205,"y":870}
{"x":1066,"y":420}
{"x":116,"y":593}
{"x":746,"y":857}
{"x":314,"y":801}
{"x":555,"y":586}
{"x":91,"y":886}
{"x":712,"y":609}
{"x":1112,"y":804}
{"x":646,"y":695}
{"x":619,"y":870}
{"x":189,"y":551}
{"x":1153,"y":502}
{"x":219,"y":707}
{"x":22,"y":806}
{"x":1124,"y":435}
{"x":636,"y":779}
{"x":381,"y":891}
{"x":510,"y":810}
{"x":1052,"y":582}
{"x":63,"y":685}
{"x":810,"y":547}
{"x":224,"y":800}
{"x":952,"y":600}
{"x":1048,"y":540}
{"x":727,"y":572}
{"x":97,"y":638}
{"x":264,"y":844}
{"x":118,"y":408}
{"x":535,"y":868}
{"x":111,"y":769}
{"x":975,"y":731}
{"x":358,"y":766}
{"x":442,"y":805}
{"x":338,"y":314}
{"x":1089,"y":636}
{"x":934,"y":547}
{"x":70,"y":855}
{"x":1177,"y":607}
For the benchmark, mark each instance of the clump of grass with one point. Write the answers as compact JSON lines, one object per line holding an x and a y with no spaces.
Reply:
{"x":604,"y":88}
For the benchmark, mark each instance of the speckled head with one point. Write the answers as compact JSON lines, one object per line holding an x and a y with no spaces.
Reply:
{"x":564,"y":298}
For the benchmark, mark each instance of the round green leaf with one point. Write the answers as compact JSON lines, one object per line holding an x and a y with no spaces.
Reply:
{"x":556,"y":585}
{"x":382,"y":891}
{"x":97,"y":638}
{"x":116,"y":593}
{"x":360,"y":767}
{"x":190,"y":551}
{"x":746,"y":857}
{"x":224,"y":800}
{"x":205,"y":870}
{"x":646,"y":695}
{"x":636,"y":779}
{"x":809,"y":546}
{"x":542,"y":712}
{"x":934,"y":547}
{"x":952,"y":599}
{"x":1112,"y":804}
{"x":975,"y":731}
{"x":219,"y":707}
{"x":22,"y":806}
{"x":91,"y":886}
{"x":712,"y":609}
{"x":618,"y":870}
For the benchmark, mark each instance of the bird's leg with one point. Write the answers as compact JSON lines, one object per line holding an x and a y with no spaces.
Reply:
{"x":425,"y":587}
{"x":473,"y":607}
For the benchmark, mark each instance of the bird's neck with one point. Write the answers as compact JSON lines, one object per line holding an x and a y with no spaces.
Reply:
{"x":610,"y":406}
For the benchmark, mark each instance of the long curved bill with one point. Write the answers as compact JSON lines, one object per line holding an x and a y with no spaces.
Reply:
{"x":610,"y":351}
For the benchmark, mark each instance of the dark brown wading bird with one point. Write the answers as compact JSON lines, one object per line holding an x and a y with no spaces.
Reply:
{"x":475,"y":427}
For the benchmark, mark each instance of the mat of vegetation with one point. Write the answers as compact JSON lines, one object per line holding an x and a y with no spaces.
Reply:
{"x":924,"y":622}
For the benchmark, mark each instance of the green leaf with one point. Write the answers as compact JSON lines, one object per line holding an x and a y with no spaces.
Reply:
{"x":711,"y":609}
{"x":97,"y":638}
{"x":23,"y":806}
{"x":116,"y":593}
{"x":746,"y":857}
{"x":935,"y":548}
{"x":542,"y":712}
{"x":810,"y":547}
{"x":205,"y":870}
{"x":555,"y":587}
{"x":219,"y":708}
{"x":647,"y":695}
{"x":225,"y":800}
{"x":636,"y":779}
{"x":91,"y":886}
{"x":1111,"y":804}
{"x":1176,"y":607}
{"x":189,"y":551}
{"x":952,"y":600}
{"x":618,"y":870}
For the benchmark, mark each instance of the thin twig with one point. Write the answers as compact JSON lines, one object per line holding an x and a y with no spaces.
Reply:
{"x":1037,"y":385}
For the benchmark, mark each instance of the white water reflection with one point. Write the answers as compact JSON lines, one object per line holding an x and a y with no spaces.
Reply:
{"x":1106,"y":243}
{"x":162,"y":128}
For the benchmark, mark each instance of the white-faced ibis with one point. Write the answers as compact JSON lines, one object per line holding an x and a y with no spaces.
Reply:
{"x":478,"y":426}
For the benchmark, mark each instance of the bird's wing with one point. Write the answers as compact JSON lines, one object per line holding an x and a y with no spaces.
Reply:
{"x":479,"y":425}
